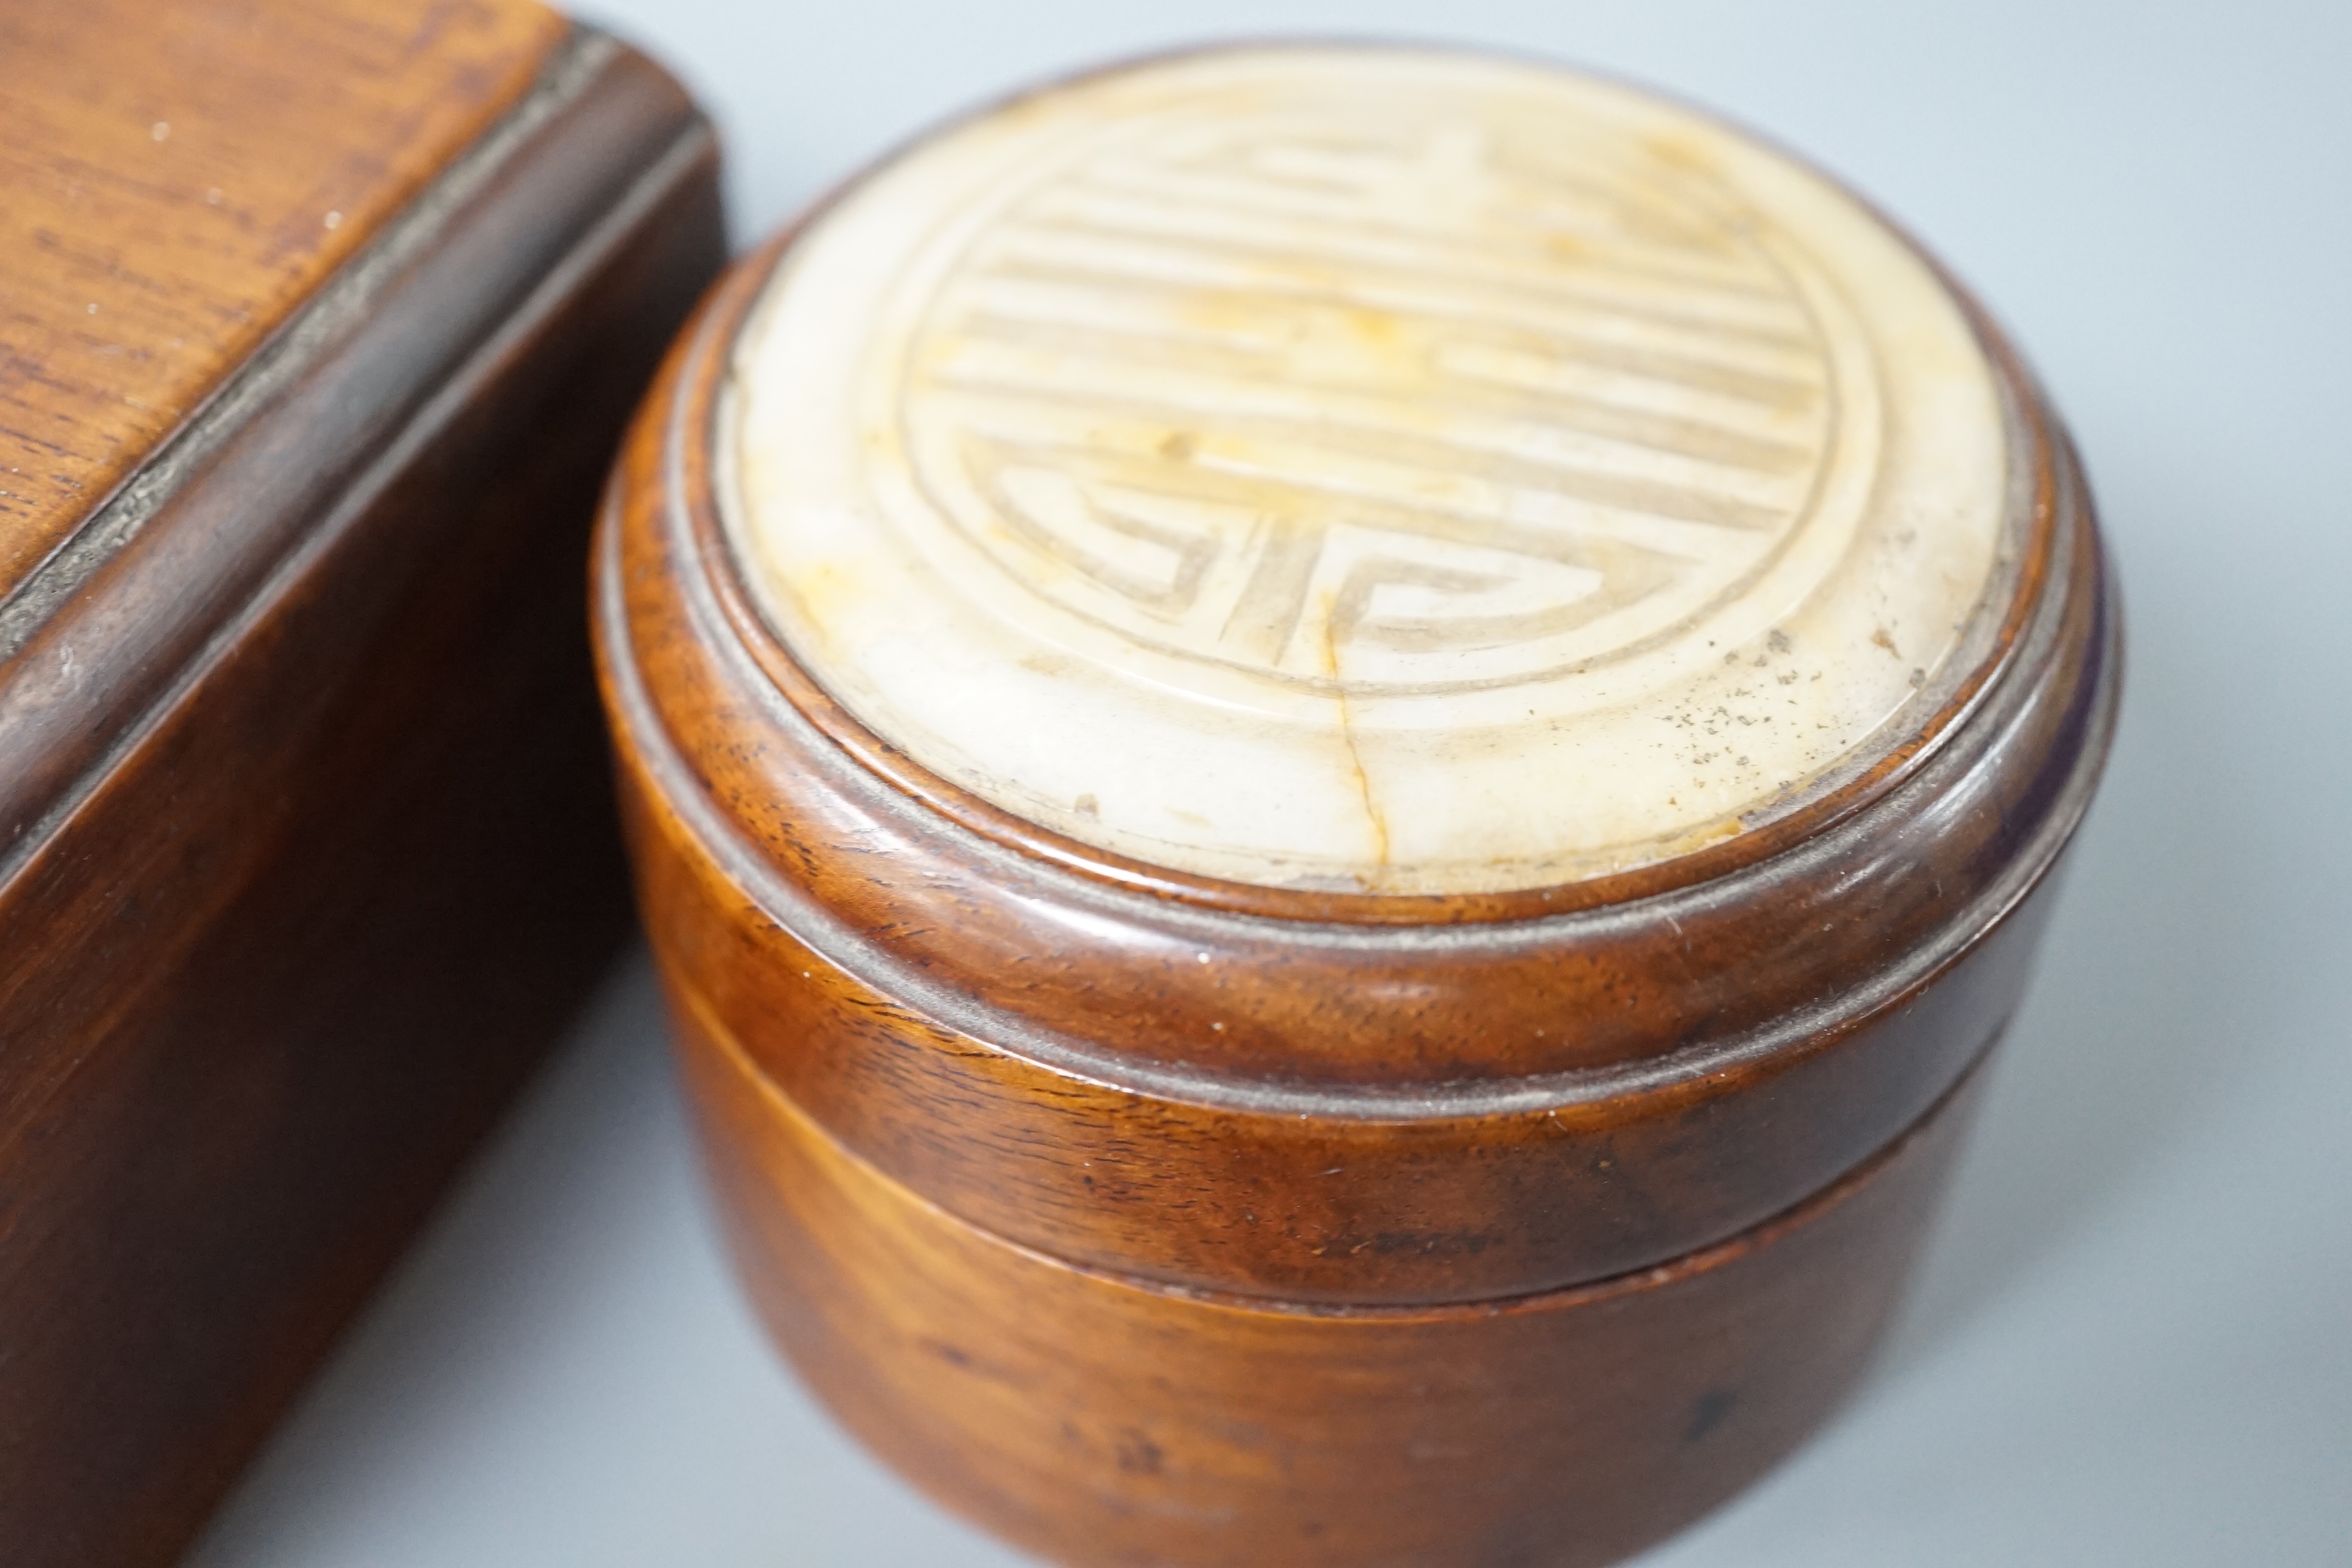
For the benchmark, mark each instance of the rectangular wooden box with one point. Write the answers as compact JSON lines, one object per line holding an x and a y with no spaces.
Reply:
{"x":317,"y":322}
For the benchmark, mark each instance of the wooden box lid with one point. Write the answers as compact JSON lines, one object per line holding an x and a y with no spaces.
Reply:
{"x":180,"y":179}
{"x":1353,"y":674}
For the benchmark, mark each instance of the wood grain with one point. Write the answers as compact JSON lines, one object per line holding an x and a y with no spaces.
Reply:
{"x":1150,"y":1219}
{"x":1095,"y":1419}
{"x":176,"y":177}
{"x":309,"y":850}
{"x":1318,"y":1110}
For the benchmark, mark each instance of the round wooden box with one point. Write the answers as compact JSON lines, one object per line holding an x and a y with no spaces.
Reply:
{"x":1341,"y":759}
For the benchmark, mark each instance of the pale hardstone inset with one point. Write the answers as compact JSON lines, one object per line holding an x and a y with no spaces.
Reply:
{"x":1366,"y":468}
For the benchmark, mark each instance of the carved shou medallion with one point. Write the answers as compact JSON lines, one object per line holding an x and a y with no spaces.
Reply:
{"x":1333,"y":401}
{"x":1353,"y":468}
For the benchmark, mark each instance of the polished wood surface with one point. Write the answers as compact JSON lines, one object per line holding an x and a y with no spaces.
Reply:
{"x":1061,"y":1177}
{"x":1315,"y":1109}
{"x":309,"y":848}
{"x":1098,"y":1419}
{"x":178,"y":175}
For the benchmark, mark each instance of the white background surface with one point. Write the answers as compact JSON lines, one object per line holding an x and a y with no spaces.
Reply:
{"x":2132,"y":1343}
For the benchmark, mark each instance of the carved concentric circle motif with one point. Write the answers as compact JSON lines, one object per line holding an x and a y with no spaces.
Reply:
{"x":1366,"y":468}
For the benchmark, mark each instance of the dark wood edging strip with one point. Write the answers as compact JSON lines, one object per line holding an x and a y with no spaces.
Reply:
{"x":341,"y":337}
{"x":302,"y":339}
